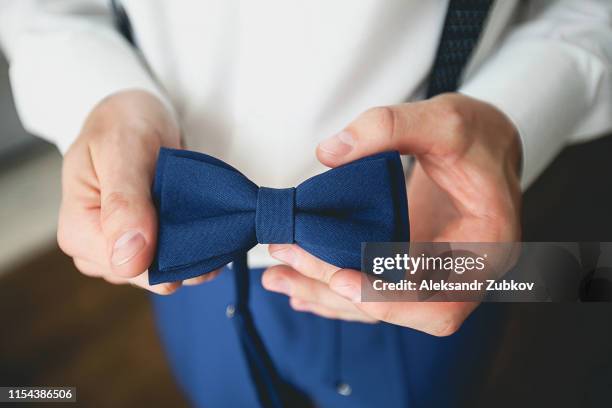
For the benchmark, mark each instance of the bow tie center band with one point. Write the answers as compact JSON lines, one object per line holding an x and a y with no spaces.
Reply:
{"x":274,"y":219}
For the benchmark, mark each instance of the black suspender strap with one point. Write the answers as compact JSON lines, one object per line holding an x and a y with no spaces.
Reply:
{"x":122,"y":21}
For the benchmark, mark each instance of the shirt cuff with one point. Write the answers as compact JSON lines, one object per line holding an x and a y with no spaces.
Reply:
{"x":57,"y":79}
{"x":542,"y":90}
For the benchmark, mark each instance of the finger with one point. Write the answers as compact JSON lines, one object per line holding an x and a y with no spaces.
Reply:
{"x":129,"y":225}
{"x":142,"y":281}
{"x":116,"y":280}
{"x":303,"y":262}
{"x":96,"y":270}
{"x":89,"y":268}
{"x":78,"y":231}
{"x":435,"y":318}
{"x":286,"y":280}
{"x":127,"y":215}
{"x":201,"y":279}
{"x":411,"y":128}
{"x":300,"y":305}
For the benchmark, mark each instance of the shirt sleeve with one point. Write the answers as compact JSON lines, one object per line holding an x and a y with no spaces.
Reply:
{"x":551,"y":75}
{"x":65,"y":56}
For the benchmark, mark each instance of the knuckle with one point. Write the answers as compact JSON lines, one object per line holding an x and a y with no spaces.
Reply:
{"x":300,"y":304}
{"x":446,"y":326}
{"x":85,"y":269}
{"x":328,"y":273}
{"x":268,"y":278}
{"x":65,"y":235}
{"x":77,"y":264}
{"x":296,"y":304}
{"x":453,"y":118}
{"x":384,"y":120}
{"x":273,"y":273}
{"x":113,"y":203}
{"x":114,"y":281}
{"x":387,"y":314}
{"x":267,"y":275}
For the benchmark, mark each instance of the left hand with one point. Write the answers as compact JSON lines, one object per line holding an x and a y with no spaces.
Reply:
{"x":464,"y":188}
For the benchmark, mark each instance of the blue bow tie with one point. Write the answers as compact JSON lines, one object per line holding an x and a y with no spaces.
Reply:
{"x":210,"y":213}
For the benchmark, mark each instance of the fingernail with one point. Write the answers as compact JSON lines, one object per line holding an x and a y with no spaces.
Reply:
{"x":339,"y":144}
{"x":127,"y":247}
{"x":279,"y":285}
{"x":285,"y":255}
{"x":350,"y":292}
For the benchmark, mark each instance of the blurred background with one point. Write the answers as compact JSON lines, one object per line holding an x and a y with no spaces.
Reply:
{"x":58,"y":327}
{"x":64,"y":329}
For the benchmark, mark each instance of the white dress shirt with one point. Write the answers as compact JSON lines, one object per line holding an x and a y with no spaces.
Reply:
{"x":259,"y":83}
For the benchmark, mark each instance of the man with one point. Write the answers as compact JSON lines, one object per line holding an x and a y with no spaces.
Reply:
{"x":260,"y":85}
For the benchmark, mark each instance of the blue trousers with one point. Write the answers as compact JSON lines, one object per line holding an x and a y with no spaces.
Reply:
{"x":335,"y":363}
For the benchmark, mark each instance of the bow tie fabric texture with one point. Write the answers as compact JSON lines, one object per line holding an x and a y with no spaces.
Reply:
{"x":210,"y":214}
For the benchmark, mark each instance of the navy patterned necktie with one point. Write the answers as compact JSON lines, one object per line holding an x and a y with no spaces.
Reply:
{"x":462,"y":28}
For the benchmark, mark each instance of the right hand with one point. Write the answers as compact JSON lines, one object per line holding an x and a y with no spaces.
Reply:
{"x":107,"y":221}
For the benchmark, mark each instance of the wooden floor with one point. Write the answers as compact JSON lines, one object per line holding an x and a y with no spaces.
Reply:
{"x":63,"y":329}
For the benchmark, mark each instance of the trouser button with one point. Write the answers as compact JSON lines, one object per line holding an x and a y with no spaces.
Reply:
{"x":344,"y":389}
{"x":230,"y":310}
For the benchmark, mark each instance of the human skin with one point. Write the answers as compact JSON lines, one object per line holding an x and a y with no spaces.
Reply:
{"x":464,"y":188}
{"x":107,"y":221}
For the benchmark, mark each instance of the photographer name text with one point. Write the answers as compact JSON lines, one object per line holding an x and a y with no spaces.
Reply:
{"x":431,"y":285}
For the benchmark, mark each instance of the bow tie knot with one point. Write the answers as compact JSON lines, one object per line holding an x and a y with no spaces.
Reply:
{"x":274,"y":216}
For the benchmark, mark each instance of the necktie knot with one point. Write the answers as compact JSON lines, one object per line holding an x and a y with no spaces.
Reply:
{"x":274,"y":218}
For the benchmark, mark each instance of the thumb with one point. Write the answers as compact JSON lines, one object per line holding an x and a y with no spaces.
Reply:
{"x":406,"y":128}
{"x":127,"y":215}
